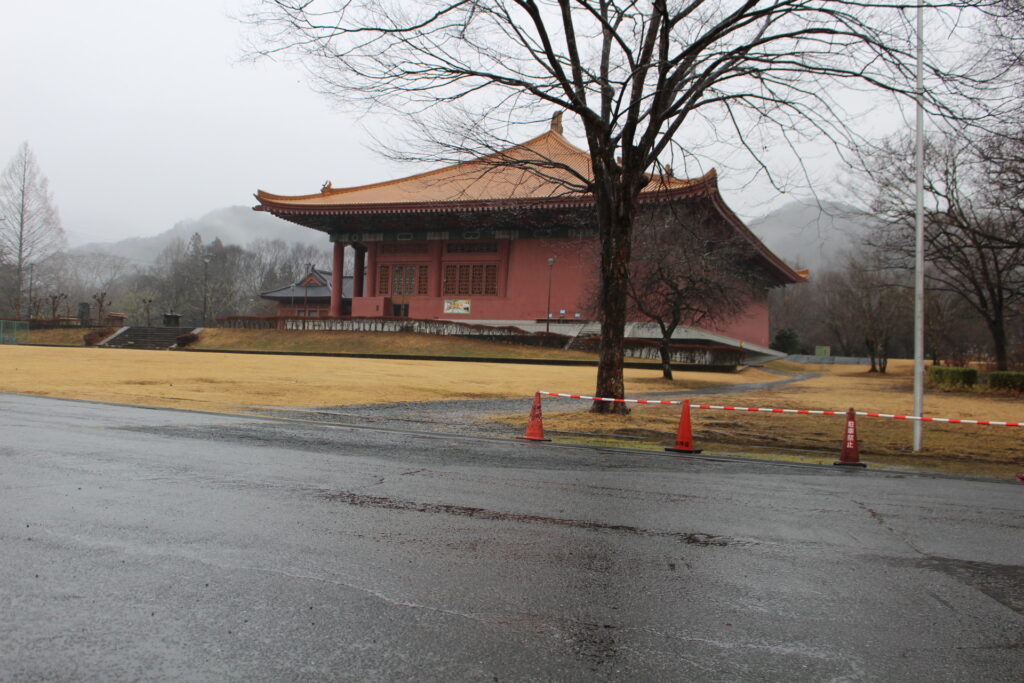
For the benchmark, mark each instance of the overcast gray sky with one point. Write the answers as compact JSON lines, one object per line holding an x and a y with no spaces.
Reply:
{"x":141,"y":114}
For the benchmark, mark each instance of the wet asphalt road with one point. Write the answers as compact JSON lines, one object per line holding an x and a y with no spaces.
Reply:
{"x":153,"y":544}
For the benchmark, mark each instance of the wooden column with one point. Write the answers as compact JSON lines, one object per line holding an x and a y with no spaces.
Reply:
{"x":337,"y":278}
{"x":359,"y":271}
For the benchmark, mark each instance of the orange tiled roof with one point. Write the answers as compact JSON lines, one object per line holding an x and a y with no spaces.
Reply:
{"x":478,"y":181}
{"x":482,"y":185}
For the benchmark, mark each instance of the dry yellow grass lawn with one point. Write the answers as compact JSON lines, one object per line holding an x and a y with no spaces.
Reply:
{"x":232,"y":382}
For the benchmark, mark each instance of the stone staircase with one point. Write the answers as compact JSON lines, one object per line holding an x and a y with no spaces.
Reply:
{"x":156,"y":338}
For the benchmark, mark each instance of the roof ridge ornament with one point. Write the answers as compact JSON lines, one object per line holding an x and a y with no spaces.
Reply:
{"x":556,"y":122}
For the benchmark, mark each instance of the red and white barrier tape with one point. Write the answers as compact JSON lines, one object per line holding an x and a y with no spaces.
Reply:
{"x":948,"y":420}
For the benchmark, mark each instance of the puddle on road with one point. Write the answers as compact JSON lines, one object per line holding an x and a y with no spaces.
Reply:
{"x":362,"y":500}
{"x":1001,"y":582}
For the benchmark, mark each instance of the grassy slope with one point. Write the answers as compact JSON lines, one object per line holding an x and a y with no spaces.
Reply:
{"x":68,"y":336}
{"x":373,"y":343}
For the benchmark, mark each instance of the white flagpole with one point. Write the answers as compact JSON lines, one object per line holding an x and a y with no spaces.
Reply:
{"x":919,"y":240}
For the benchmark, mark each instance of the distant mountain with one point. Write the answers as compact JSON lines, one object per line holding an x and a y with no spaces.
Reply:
{"x":808,"y":234}
{"x":233,"y":225}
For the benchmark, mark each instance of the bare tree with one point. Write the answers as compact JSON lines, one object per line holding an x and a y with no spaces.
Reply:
{"x":690,"y":269}
{"x":101,"y":306}
{"x":643,"y":79}
{"x":974,"y":246}
{"x":54,"y":301}
{"x":30,"y":229}
{"x":871,"y":302}
{"x":954,"y":331}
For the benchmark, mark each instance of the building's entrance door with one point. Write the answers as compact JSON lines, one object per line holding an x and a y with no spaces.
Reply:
{"x":403,"y":284}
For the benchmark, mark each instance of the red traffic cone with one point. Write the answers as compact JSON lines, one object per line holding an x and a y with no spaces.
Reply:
{"x":850,"y":455}
{"x":684,"y":439}
{"x":535,"y":428}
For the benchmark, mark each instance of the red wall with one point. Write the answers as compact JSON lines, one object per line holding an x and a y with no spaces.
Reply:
{"x":523,"y":277}
{"x":751,"y":326}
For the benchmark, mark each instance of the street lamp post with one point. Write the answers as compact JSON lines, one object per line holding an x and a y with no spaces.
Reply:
{"x":31,"y":276}
{"x":547,"y":312}
{"x":305,"y":293}
{"x":206,"y":268}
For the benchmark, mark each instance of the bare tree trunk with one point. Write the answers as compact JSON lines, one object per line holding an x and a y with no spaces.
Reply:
{"x":997,"y":328}
{"x":615,"y":224}
{"x":666,"y":357}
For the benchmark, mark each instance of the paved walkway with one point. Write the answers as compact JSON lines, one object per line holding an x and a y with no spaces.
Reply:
{"x":470,"y":416}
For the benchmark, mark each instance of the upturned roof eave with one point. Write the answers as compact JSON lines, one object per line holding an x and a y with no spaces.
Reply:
{"x":789,"y":275}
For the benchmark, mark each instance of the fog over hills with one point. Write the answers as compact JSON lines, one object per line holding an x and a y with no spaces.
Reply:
{"x":812,"y":234}
{"x":805,"y":234}
{"x":233,"y":225}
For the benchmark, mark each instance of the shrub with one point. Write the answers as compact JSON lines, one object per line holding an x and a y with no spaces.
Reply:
{"x":1006,"y":381}
{"x":184,"y":340}
{"x":952,"y":378}
{"x":786,"y":340}
{"x":94,"y":337}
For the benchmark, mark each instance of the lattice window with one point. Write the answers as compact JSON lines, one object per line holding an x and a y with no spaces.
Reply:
{"x":476,"y":283}
{"x":491,"y":279}
{"x":422,"y":279}
{"x":405,"y":280}
{"x":470,"y":278}
{"x":450,"y":276}
{"x":402,"y":280}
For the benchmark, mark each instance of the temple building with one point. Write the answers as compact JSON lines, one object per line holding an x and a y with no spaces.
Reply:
{"x":490,"y":242}
{"x":310,"y":297}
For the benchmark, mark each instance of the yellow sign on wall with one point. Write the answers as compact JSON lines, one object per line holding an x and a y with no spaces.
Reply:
{"x":456,"y":305}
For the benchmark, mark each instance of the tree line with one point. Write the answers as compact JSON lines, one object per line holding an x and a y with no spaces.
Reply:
{"x":973,"y":249}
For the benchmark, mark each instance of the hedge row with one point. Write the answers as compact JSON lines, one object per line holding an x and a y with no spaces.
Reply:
{"x":952,"y":378}
{"x":1009,"y":381}
{"x":965,"y":378}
